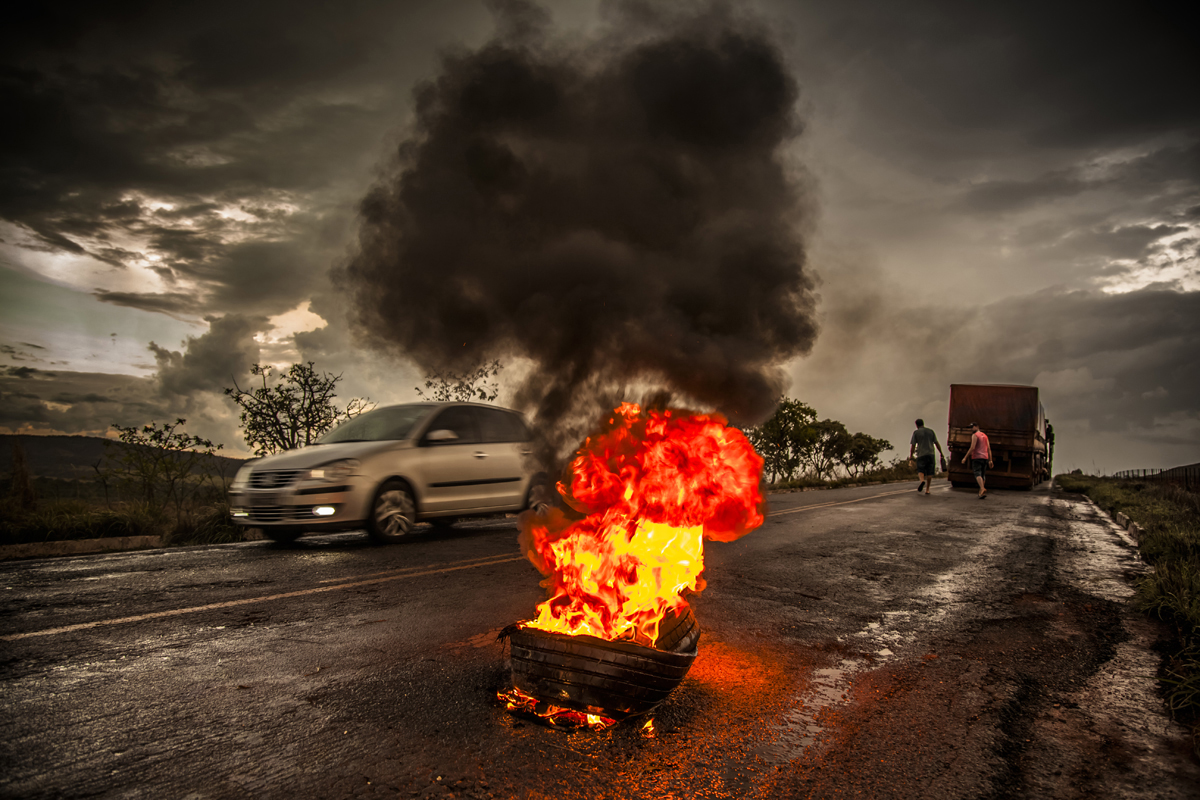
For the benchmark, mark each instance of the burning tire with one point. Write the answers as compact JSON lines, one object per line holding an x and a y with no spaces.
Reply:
{"x":595,"y":676}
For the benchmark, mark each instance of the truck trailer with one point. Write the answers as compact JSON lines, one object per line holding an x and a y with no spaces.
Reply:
{"x":1015,"y":424}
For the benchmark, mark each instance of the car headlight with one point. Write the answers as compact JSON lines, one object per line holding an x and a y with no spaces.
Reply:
{"x":334,"y":470}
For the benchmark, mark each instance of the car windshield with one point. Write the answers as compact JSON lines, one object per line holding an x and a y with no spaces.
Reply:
{"x":391,"y":422}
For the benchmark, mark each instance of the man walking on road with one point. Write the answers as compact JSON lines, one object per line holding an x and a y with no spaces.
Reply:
{"x":980,"y":454}
{"x":923,"y":441}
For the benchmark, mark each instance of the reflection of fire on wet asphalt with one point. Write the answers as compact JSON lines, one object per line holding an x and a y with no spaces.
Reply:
{"x":829,"y":688}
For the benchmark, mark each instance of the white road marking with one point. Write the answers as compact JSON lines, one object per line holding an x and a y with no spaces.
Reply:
{"x":841,"y":503}
{"x":479,"y":562}
{"x":349,"y":583}
{"x":263,"y":599}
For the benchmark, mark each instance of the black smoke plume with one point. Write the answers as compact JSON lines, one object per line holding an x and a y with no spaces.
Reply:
{"x":614,"y":210}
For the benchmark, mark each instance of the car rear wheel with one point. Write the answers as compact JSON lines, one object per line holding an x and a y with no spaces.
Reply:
{"x":540,"y":494}
{"x":392,"y":513}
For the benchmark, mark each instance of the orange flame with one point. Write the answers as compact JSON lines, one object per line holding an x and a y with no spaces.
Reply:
{"x":555,"y":716}
{"x":653,"y":485}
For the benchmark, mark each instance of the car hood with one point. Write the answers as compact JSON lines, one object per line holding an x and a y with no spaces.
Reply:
{"x":317,"y":454}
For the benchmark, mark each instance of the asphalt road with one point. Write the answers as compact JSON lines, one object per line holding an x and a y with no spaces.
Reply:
{"x":866,"y":642}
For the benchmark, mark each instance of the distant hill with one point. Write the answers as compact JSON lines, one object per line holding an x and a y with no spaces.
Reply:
{"x":72,"y":457}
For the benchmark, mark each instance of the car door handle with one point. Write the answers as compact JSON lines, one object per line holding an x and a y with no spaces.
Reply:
{"x":480,"y":454}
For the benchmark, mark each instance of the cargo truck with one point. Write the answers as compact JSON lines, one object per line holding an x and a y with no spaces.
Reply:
{"x":1015,"y":424}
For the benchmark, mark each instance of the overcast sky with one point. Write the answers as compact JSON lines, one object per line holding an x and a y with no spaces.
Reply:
{"x":939,"y":192}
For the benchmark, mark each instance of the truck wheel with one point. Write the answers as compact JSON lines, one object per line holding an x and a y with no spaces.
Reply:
{"x":392,"y":513}
{"x":282,"y":535}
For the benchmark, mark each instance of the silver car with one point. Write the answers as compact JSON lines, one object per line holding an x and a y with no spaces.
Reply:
{"x":388,"y":468}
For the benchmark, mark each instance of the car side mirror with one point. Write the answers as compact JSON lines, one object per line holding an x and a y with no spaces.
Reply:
{"x":441,"y":436}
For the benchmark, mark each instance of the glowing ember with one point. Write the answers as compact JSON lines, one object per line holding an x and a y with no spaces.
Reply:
{"x":653,"y":485}
{"x":556,"y":716}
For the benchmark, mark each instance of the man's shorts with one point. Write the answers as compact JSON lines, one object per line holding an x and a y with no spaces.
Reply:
{"x":979,"y":467}
{"x":926,"y":465}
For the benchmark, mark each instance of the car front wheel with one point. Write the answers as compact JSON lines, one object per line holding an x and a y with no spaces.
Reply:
{"x":392,"y":513}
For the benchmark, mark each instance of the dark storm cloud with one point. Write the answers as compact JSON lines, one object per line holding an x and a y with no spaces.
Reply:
{"x":1126,"y":362}
{"x":1060,"y":73}
{"x":614,"y":210}
{"x":177,"y":304}
{"x":22,"y":351}
{"x":189,"y":383}
{"x":1168,"y":171}
{"x":1011,"y":195}
{"x":78,"y":403}
{"x":1130,"y":241}
{"x":1122,"y":361}
{"x":205,"y":107}
{"x":212,"y":361}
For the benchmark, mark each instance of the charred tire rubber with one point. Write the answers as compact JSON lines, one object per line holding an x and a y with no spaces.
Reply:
{"x":612,"y":679}
{"x":282,"y":535}
{"x":392,"y":513}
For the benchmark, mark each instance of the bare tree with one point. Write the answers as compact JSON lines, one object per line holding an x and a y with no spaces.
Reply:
{"x":294,"y":410}
{"x":163,"y":466}
{"x":473,"y":384}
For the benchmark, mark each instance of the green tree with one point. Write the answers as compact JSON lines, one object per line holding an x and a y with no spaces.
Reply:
{"x":163,"y":466}
{"x":294,"y":410}
{"x":783,"y":440}
{"x":828,"y":448}
{"x":476,"y":384}
{"x":863,"y":452}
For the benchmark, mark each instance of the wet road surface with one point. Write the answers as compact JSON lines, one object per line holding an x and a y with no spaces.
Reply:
{"x":866,"y":642}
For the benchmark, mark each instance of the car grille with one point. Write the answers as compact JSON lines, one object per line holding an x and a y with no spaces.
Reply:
{"x":280,"y":513}
{"x":273,"y":478}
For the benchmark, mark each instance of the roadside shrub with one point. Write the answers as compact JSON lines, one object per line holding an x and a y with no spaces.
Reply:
{"x":73,"y":519}
{"x":895,"y":472}
{"x":210,"y":525}
{"x":1172,"y":592}
{"x":1077,"y":484}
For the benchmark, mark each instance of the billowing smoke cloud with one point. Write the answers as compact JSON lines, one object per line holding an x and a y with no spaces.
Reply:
{"x":614,"y":210}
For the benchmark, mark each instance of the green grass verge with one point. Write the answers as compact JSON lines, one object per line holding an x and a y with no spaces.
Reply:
{"x":65,"y":520}
{"x":1170,"y":520}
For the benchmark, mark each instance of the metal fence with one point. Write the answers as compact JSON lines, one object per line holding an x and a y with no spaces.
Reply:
{"x":1188,"y":477}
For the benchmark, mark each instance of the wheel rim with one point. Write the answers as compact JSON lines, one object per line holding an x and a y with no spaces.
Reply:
{"x":391,"y":513}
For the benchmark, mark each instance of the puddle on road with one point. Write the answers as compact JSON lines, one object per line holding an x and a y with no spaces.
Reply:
{"x":829,"y":688}
{"x":832,"y":687}
{"x":1100,"y":557}
{"x":1088,"y":564}
{"x":803,"y":725}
